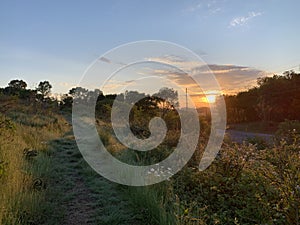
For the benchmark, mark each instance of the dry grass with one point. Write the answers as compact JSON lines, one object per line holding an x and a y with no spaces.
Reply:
{"x":19,"y":200}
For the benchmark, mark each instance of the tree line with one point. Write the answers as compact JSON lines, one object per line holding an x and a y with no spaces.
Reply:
{"x":274,"y":98}
{"x":165,"y":99}
{"x":18,"y":88}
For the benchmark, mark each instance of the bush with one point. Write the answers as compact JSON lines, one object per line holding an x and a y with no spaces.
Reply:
{"x":280,"y":167}
{"x":259,"y":142}
{"x":288,"y":131}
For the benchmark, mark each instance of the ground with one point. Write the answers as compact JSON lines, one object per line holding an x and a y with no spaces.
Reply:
{"x":84,"y":197}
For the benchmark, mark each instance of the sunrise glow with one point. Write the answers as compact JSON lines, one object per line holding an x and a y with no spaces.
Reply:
{"x":209,"y":99}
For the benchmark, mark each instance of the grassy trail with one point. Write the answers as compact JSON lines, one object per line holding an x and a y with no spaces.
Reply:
{"x":82,"y":196}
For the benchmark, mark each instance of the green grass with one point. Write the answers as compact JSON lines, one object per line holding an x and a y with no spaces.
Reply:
{"x":103,"y":201}
{"x":244,"y":185}
{"x":155,"y":202}
{"x":21,"y":198}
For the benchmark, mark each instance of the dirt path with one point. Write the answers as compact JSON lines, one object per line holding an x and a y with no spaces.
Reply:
{"x":84,"y":196}
{"x":77,"y":197}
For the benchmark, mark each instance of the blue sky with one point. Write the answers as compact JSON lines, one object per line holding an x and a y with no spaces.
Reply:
{"x":57,"y":40}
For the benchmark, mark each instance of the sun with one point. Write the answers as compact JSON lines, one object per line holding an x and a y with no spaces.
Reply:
{"x":210,"y":98}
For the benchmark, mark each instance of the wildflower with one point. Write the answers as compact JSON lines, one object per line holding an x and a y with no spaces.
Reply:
{"x":186,"y":211}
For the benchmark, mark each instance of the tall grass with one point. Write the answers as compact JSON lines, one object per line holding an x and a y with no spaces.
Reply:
{"x":156,"y":202}
{"x":20,"y":196}
{"x":13,"y":179}
{"x":246,"y":184}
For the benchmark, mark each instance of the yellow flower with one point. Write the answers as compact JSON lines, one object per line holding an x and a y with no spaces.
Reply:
{"x":186,"y":211}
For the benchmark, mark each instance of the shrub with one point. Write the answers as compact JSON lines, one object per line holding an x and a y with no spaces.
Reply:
{"x":281,"y":169}
{"x":259,"y":142}
{"x":288,"y":131}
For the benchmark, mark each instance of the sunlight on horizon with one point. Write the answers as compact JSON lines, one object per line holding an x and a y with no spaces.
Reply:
{"x":209,"y":98}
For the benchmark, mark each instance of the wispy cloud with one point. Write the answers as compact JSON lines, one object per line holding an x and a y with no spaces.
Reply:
{"x":66,"y":84}
{"x":103,"y":59}
{"x":110,"y":61}
{"x":194,"y":7}
{"x":210,"y":6}
{"x":232,"y":78}
{"x":198,"y":77}
{"x":216,"y":10}
{"x":114,"y":86}
{"x":243,"y":20}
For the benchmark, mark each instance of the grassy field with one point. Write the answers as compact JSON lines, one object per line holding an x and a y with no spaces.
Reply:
{"x":24,"y":166}
{"x":44,"y":179}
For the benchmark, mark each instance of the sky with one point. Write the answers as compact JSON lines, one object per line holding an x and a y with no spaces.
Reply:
{"x":58,"y":40}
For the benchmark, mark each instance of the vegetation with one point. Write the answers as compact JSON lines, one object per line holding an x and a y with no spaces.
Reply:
{"x":24,"y":162}
{"x":274,"y":99}
{"x":250,"y":183}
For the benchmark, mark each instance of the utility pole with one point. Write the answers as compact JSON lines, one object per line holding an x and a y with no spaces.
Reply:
{"x":186,"y":99}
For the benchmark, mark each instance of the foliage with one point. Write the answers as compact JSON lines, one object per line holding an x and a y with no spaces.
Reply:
{"x":156,"y":203}
{"x":280,"y":167}
{"x":242,"y":186}
{"x":22,"y":182}
{"x":288,"y":131}
{"x":274,"y":99}
{"x":167,"y":99}
{"x":44,"y":88}
{"x":17,"y":84}
{"x":259,"y":142}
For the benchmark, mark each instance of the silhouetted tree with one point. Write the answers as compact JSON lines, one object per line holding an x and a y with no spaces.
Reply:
{"x":44,"y":88}
{"x":275,"y":98}
{"x":17,"y":88}
{"x":17,"y":84}
{"x":167,"y":99}
{"x":131,"y":97}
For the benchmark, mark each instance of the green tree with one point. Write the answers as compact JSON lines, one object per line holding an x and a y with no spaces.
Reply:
{"x":79,"y":93}
{"x":280,"y":94}
{"x":17,"y":84}
{"x":17,"y":88}
{"x":167,"y":99}
{"x":44,"y":88}
{"x":132,"y":97}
